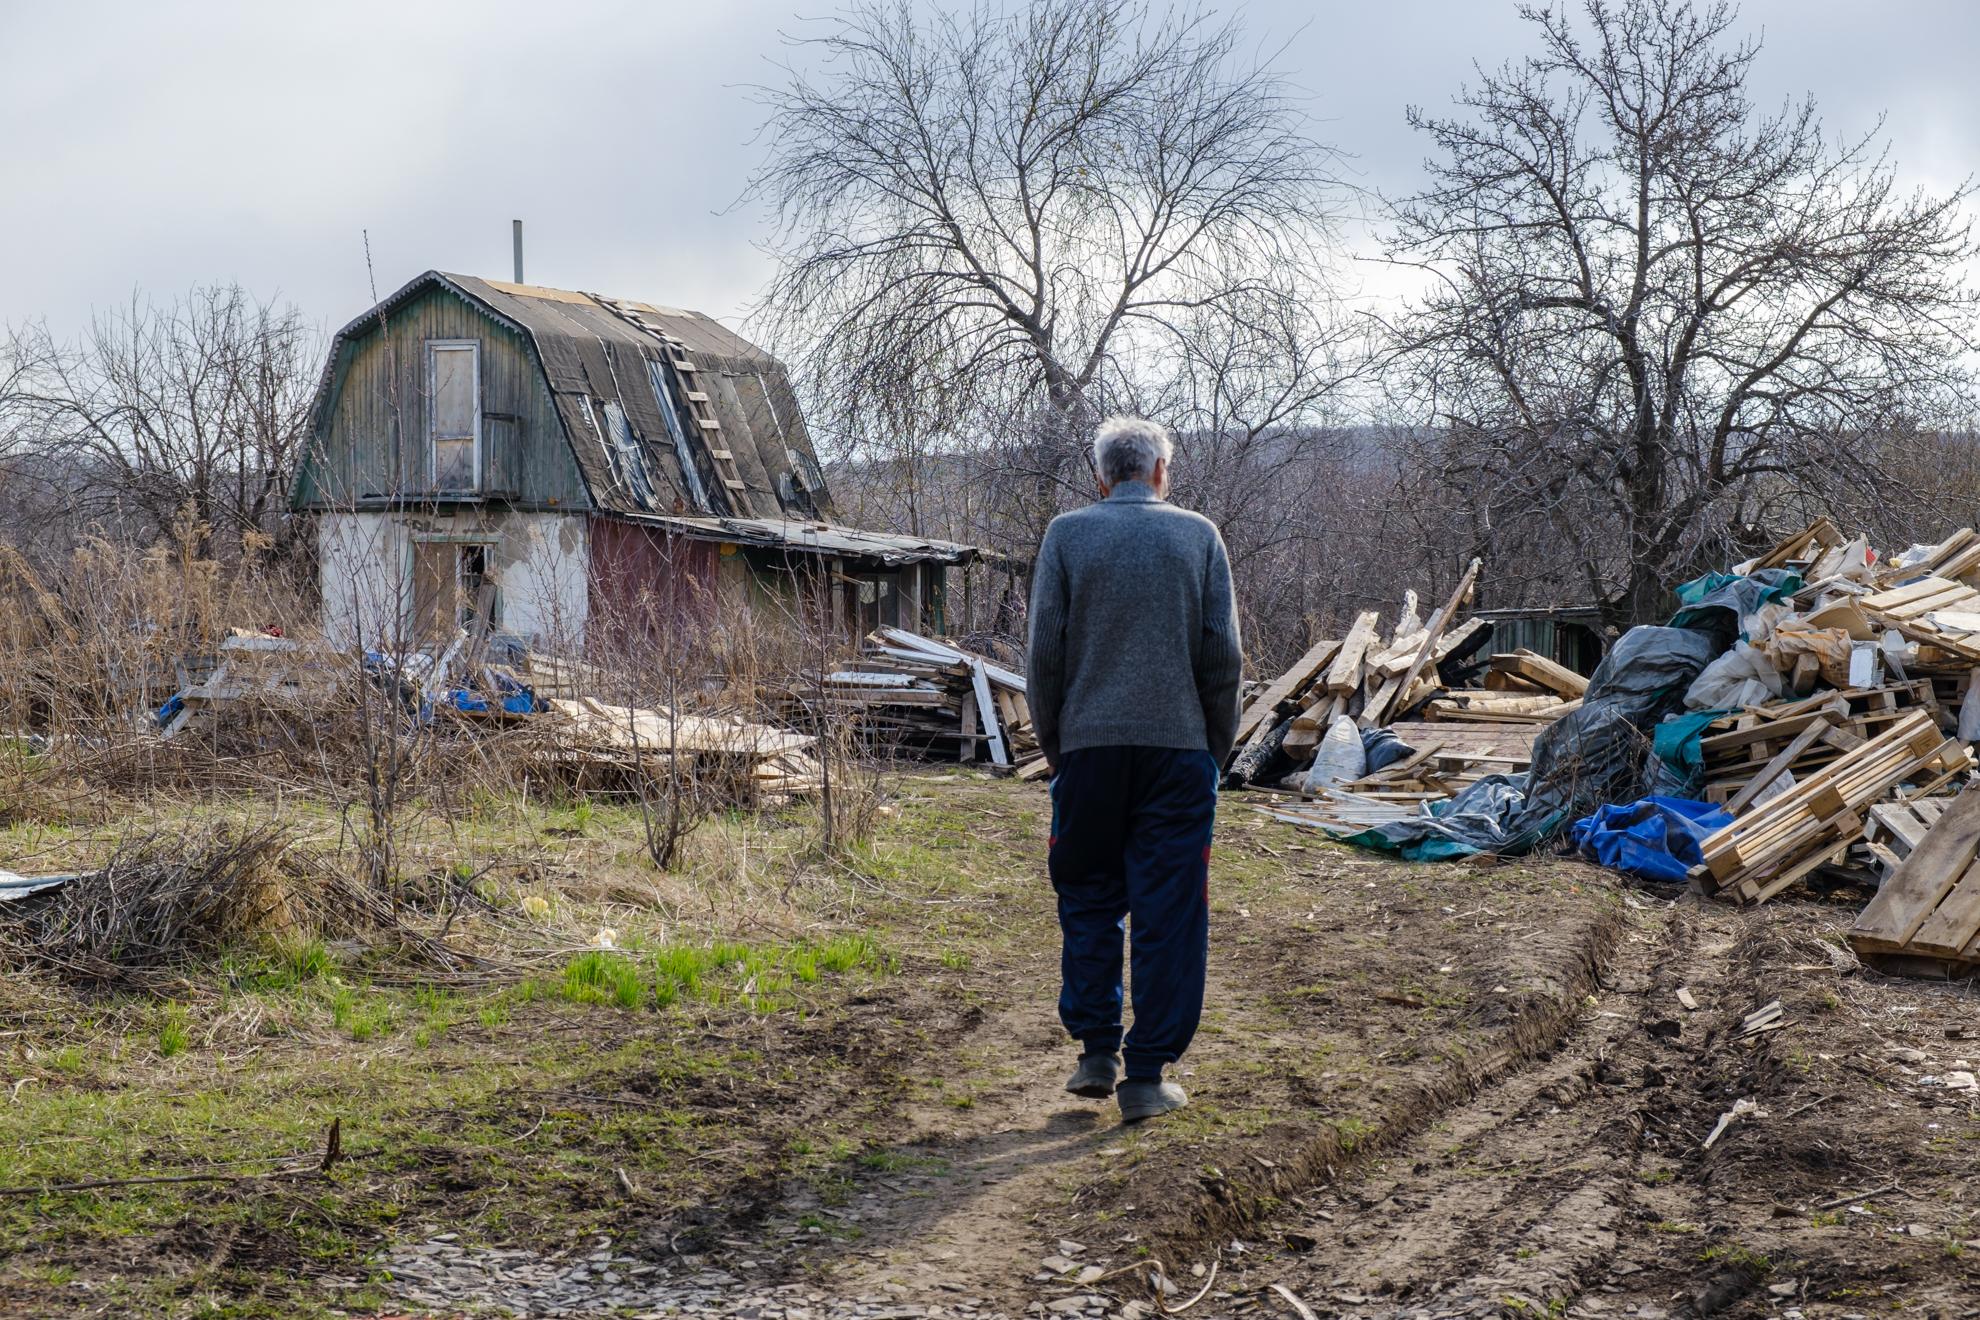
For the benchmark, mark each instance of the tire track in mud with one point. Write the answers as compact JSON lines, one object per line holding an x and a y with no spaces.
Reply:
{"x":1517,"y":1200}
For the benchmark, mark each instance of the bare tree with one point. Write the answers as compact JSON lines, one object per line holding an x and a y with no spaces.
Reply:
{"x":1654,"y":312}
{"x":201,"y":404}
{"x":992,"y":225}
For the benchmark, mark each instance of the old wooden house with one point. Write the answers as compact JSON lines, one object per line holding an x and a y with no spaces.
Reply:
{"x":548,"y":463}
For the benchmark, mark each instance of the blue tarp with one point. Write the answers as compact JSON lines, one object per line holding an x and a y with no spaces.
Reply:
{"x":1656,"y":838}
{"x":521,"y":701}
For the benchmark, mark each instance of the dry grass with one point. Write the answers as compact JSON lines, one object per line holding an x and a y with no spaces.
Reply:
{"x":164,"y":901}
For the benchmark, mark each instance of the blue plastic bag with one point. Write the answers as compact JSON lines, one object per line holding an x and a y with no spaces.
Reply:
{"x":1657,"y":838}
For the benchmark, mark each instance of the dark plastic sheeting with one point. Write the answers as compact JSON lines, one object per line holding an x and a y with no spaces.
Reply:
{"x":1599,"y":753}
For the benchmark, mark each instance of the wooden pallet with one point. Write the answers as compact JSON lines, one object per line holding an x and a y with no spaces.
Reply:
{"x":1934,"y":611}
{"x":1892,"y":829}
{"x":1814,"y":823}
{"x":1929,"y":909}
{"x":1756,"y":748}
{"x":1449,"y":756}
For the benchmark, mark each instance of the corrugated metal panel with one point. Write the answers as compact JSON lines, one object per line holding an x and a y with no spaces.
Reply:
{"x":815,"y":538}
{"x":1564,"y":641}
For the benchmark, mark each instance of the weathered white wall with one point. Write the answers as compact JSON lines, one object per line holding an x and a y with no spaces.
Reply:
{"x":538,"y":562}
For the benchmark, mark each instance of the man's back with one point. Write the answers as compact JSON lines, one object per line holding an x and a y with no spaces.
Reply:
{"x":1134,"y":637}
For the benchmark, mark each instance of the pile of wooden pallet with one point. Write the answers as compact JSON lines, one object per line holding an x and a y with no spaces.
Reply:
{"x":260,"y":669}
{"x":1446,"y":758}
{"x":1455,"y":735}
{"x":1749,"y":753}
{"x":1846,"y":779}
{"x":1772,"y":843}
{"x":935,"y":695}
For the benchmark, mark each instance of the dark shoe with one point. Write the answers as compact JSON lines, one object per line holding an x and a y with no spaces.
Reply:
{"x":1141,"y":1100}
{"x":1095,"y":1076}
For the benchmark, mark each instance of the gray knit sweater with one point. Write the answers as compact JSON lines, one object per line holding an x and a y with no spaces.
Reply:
{"x":1134,"y":632}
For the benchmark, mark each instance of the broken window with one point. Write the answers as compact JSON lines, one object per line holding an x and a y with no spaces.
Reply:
{"x":879,"y":601}
{"x":453,"y":380}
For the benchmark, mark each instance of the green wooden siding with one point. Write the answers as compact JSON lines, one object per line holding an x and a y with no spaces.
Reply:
{"x":358,"y":458}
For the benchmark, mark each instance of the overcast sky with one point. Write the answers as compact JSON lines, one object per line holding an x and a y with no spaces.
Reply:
{"x":151,"y":146}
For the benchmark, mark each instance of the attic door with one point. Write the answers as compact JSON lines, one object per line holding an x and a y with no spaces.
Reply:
{"x":453,"y":377}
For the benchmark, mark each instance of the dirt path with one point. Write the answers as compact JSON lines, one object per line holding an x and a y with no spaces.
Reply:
{"x":1581,"y":1184}
{"x":1552,"y":1164}
{"x":1348,"y":1006}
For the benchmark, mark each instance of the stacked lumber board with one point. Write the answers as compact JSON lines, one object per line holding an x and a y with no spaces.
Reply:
{"x":1747,"y":753}
{"x":1342,"y":810}
{"x":596,"y":737}
{"x":1363,"y":674}
{"x":936,"y":694}
{"x":1775,"y":842}
{"x":1942,"y":613}
{"x":1926,"y":916}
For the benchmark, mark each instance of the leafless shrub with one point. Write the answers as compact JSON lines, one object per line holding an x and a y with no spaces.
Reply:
{"x":200,"y":403}
{"x":163,"y":900}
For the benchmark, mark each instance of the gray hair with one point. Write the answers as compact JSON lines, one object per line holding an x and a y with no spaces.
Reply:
{"x":1127,"y":449}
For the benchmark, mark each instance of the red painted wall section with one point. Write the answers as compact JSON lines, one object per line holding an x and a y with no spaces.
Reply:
{"x":644,"y":579}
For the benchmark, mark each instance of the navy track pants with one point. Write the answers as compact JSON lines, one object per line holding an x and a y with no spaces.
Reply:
{"x":1131,"y":837}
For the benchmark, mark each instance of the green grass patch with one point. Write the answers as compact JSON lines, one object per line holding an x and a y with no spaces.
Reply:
{"x":756,"y":978}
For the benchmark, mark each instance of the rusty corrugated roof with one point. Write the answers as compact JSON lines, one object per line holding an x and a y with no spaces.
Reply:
{"x":815,"y":537}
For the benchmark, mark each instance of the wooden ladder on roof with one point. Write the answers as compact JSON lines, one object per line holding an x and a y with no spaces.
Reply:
{"x":699,"y":406}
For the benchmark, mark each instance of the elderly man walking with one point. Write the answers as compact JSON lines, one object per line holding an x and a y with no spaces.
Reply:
{"x":1133,"y":687}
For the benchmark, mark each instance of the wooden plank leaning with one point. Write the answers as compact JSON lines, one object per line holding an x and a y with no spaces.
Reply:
{"x":1432,"y":631}
{"x":1921,"y":881}
{"x":986,"y":711}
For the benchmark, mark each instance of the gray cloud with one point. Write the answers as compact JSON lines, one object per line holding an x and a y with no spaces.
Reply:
{"x":154,"y":146}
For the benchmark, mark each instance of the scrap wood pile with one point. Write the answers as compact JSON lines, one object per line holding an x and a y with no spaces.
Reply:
{"x":935,"y":695}
{"x":1808,"y":716}
{"x":603,"y":745}
{"x":1382,"y":717}
{"x":477,"y":687}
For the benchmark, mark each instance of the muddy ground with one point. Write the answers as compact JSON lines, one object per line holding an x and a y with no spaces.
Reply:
{"x":1447,"y":1090}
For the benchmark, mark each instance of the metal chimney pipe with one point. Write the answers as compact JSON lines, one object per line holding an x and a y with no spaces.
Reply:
{"x":518,"y":235}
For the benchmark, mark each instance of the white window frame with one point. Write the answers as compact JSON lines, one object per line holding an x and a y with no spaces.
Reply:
{"x":432,"y":439}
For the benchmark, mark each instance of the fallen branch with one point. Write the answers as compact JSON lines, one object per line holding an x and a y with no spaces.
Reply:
{"x":333,"y":1152}
{"x":45,"y":1189}
{"x":1842,"y":1201}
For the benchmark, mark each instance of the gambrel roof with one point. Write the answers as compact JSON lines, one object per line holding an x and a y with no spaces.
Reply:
{"x":666,"y":411}
{"x":672,"y":419}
